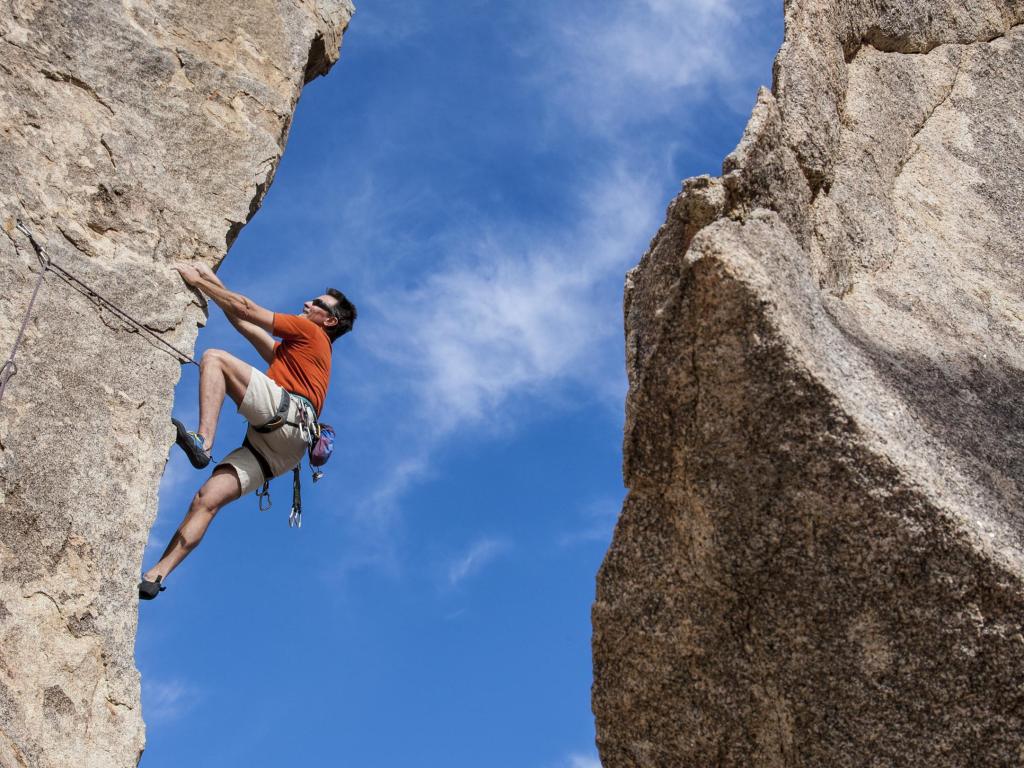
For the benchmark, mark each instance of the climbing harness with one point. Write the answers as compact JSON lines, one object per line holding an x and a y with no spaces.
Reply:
{"x":319,"y":439}
{"x":47,"y":264}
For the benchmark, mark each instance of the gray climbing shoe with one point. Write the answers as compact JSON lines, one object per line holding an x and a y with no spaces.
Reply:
{"x":150,"y":589}
{"x":192,"y":444}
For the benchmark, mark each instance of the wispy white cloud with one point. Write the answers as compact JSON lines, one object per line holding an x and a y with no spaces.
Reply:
{"x":636,"y":59}
{"x":577,"y":760}
{"x":511,"y":317}
{"x":514,"y":314}
{"x":372,"y":526}
{"x":479,"y":554}
{"x":165,"y":700}
{"x":401,"y":475}
{"x":595,"y":524}
{"x":388,"y":30}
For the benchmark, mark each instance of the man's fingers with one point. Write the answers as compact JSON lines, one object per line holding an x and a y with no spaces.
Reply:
{"x":188,"y":273}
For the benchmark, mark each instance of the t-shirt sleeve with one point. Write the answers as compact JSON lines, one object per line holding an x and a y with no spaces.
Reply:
{"x":293,"y":327}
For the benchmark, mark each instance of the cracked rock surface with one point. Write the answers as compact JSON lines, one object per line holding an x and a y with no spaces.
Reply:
{"x":134,"y":134}
{"x":820,"y":560}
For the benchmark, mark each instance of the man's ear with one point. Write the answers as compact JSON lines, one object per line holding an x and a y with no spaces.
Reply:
{"x":331,"y":321}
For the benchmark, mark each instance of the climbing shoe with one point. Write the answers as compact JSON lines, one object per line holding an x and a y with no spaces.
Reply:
{"x":150,"y":589}
{"x":192,"y":444}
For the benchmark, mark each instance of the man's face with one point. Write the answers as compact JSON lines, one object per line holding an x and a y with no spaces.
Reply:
{"x":319,"y":310}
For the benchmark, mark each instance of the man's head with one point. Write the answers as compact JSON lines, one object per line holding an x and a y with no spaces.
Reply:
{"x":332,"y":312}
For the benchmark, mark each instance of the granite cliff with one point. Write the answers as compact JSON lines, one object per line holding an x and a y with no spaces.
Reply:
{"x":820,"y":560}
{"x":135,"y":133}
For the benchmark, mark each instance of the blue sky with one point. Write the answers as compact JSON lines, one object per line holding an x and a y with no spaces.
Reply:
{"x":478,"y":177}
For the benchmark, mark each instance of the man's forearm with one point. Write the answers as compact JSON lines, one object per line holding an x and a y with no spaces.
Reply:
{"x":233,"y":304}
{"x":209,"y":274}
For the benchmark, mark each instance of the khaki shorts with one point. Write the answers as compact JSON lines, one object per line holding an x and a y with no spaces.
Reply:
{"x":283,"y":448}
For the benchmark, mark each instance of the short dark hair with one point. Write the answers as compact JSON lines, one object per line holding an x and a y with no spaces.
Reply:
{"x":345,"y":312}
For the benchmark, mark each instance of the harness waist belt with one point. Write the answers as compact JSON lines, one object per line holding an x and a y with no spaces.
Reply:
{"x":281,"y":416}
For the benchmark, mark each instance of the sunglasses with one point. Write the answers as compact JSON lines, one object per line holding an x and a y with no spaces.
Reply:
{"x":323,"y":305}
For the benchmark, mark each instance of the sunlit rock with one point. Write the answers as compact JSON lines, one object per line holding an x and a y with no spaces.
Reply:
{"x":134,"y":134}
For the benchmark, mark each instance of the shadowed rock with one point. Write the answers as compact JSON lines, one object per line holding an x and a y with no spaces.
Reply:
{"x":821,"y":557}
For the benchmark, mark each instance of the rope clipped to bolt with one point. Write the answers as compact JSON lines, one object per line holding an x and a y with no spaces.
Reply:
{"x":47,"y":264}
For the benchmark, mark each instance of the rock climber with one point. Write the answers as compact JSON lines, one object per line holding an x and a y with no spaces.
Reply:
{"x":300,"y":365}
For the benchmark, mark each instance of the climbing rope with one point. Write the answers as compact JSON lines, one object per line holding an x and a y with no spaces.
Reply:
{"x":10,"y":367}
{"x":48,"y":265}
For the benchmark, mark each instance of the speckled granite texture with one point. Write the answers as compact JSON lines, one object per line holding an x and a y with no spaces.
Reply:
{"x":820,"y":561}
{"x":134,"y":134}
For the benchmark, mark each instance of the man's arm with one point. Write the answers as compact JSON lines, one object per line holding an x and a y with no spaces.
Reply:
{"x":251,"y":320}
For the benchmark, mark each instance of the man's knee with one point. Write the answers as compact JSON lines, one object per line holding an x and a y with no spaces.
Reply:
{"x":203,"y":503}
{"x":222,"y":488}
{"x":233,"y":368}
{"x":213,"y":358}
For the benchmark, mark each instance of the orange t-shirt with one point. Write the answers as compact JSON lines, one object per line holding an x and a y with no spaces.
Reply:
{"x":302,"y":359}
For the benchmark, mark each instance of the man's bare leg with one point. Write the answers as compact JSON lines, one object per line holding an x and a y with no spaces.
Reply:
{"x":222,"y":488}
{"x":219,"y":374}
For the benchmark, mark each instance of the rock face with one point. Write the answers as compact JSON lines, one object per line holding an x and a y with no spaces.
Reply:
{"x":135,"y":133}
{"x":820,"y":561}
